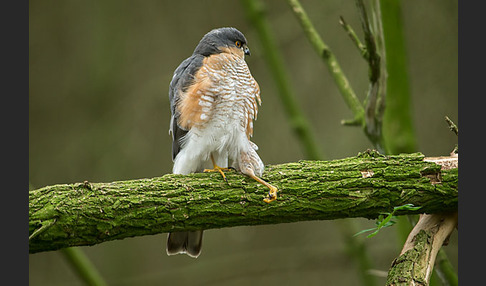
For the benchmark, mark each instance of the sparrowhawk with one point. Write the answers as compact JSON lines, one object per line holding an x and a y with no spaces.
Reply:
{"x":214,"y":100}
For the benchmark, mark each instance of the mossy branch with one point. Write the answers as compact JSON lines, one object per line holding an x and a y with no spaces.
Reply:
{"x":416,"y":261}
{"x":362,"y":186}
{"x":424,"y":243}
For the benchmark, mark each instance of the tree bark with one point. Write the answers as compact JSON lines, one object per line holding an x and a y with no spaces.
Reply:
{"x":363,"y":186}
{"x":416,"y":261}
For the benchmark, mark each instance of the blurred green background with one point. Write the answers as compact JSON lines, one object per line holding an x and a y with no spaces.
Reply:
{"x":99,"y":73}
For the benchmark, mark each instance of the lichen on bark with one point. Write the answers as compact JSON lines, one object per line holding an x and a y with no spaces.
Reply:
{"x":90,"y":213}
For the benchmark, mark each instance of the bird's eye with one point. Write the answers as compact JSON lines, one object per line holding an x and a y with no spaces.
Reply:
{"x":238,"y":44}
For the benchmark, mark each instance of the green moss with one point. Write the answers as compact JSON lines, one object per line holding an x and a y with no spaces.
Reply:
{"x":409,"y":268}
{"x":90,"y":213}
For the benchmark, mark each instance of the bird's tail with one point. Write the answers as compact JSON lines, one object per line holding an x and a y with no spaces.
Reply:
{"x":189,"y":243}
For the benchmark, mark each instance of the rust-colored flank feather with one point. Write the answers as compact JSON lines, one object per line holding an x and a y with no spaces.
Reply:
{"x":214,"y":101}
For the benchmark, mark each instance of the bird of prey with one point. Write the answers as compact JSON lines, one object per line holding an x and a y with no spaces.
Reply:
{"x":213,"y":101}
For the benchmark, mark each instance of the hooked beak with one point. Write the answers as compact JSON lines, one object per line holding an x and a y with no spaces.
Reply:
{"x":246,"y":50}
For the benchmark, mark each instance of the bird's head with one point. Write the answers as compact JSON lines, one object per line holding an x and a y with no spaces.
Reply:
{"x":223,"y":40}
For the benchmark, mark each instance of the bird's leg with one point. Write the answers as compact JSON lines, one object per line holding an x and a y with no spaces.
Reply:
{"x":217,"y":168}
{"x":250,"y":164}
{"x":272,"y":193}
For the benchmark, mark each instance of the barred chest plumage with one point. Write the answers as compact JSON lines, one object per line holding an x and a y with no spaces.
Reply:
{"x":214,"y":100}
{"x":224,"y":96}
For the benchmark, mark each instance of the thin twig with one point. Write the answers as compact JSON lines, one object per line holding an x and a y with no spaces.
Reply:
{"x":83,"y":267}
{"x":298,"y":121}
{"x":444,"y":269}
{"x":45,"y":226}
{"x":452,"y":126}
{"x":329,"y":58}
{"x":380,"y":53}
{"x":352,"y":35}
{"x":374,"y":102}
{"x":373,"y":56}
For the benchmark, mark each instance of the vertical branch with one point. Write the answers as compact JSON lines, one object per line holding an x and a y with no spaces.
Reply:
{"x":376,"y":43}
{"x":82,"y":266}
{"x":372,"y":55}
{"x":444,"y":269}
{"x":416,"y":261}
{"x":356,"y":248}
{"x":329,"y":58}
{"x":424,"y":245}
{"x":399,"y":134}
{"x":374,"y":102}
{"x":398,"y":128}
{"x":452,"y":126}
{"x":371,"y":117}
{"x":298,"y":122}
{"x":377,"y":25}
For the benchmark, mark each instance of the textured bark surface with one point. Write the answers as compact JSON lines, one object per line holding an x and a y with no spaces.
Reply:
{"x":416,"y":261}
{"x":362,"y":186}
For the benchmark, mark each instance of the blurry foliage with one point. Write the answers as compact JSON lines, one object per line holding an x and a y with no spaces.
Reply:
{"x":99,"y":111}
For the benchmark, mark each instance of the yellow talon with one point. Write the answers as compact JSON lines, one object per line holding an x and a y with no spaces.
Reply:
{"x":217,"y":168}
{"x":272,"y":195}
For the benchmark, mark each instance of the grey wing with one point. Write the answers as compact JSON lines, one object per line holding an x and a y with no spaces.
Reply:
{"x":182,"y":79}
